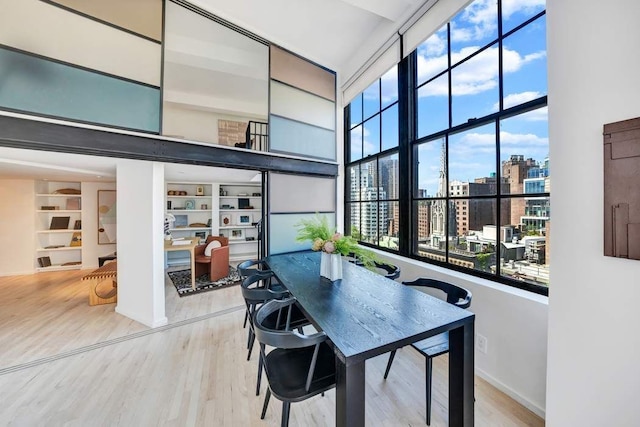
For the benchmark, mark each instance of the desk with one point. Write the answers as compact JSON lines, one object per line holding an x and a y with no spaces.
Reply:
{"x":366,"y":315}
{"x":169,"y":247}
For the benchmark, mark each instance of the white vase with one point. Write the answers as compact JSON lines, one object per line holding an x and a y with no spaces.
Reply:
{"x":331,"y":266}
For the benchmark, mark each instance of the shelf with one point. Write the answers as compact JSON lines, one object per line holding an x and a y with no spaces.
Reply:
{"x":64,"y":248}
{"x":60,"y":267}
{"x":240,"y":210}
{"x":243,"y":256}
{"x":241,"y":197}
{"x":69,"y":230}
{"x":56,"y":211}
{"x":58,"y":195}
{"x":188,"y":210}
{"x":190,"y":229}
{"x":231,"y":227}
{"x":241,"y":242}
{"x":188,"y":197}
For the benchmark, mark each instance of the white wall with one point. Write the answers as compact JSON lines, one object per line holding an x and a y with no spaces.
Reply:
{"x":514,"y":323}
{"x":140,"y":219}
{"x":91,"y":250}
{"x":594,"y":343}
{"x":195,"y":125}
{"x":17,"y":227}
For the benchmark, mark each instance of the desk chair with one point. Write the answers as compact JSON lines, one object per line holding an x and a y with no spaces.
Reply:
{"x":300,"y":366}
{"x":438,"y":344}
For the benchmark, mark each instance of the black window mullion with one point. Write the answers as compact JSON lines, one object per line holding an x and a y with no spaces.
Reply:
{"x":407,"y":164}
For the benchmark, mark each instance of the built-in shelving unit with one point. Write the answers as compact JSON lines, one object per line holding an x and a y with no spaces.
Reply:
{"x":58,"y":204}
{"x":240,"y":210}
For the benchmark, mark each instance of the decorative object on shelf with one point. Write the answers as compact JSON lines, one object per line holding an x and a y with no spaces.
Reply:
{"x":236,"y":234}
{"x":73,"y":204}
{"x":182,"y":193}
{"x":225,"y":220}
{"x":49,"y":208}
{"x":202,"y":235}
{"x":59,"y":223}
{"x":226,"y":207}
{"x":197,"y":225}
{"x":249,"y":239}
{"x":243,"y":203}
{"x":333,"y":245}
{"x":181,"y":221}
{"x":243,"y":194}
{"x":44,"y":261}
{"x":77,"y":225}
{"x":168,"y":205}
{"x":256,"y":194}
{"x":54,"y":246}
{"x":171,"y":193}
{"x":189,"y":205}
{"x":209,"y":222}
{"x":107,"y":230}
{"x":200,"y":190}
{"x":204,"y":206}
{"x":76,"y":239}
{"x":169,"y":220}
{"x":245,"y":219}
{"x":67,"y":191}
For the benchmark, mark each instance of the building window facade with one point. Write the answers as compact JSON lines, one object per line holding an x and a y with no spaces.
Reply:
{"x":477,"y":143}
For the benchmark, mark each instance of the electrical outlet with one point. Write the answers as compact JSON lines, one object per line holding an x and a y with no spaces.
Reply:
{"x":482,"y":343}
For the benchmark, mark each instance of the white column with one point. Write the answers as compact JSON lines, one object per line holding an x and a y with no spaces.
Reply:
{"x":140,"y":219}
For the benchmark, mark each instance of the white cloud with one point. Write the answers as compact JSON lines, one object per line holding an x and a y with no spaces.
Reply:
{"x":518,"y":98}
{"x":523,"y":140}
{"x":483,"y":17}
{"x":509,"y":7}
{"x":477,"y":75}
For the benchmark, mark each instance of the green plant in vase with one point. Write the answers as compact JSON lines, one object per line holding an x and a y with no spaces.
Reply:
{"x":326,"y":239}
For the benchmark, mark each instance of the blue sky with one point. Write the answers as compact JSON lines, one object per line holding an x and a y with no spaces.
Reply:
{"x":474,"y":92}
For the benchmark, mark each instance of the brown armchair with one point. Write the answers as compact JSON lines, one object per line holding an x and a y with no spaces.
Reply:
{"x":217,"y":265}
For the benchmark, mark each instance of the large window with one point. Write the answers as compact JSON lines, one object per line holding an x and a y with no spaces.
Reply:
{"x":373,"y":176}
{"x":479,"y":145}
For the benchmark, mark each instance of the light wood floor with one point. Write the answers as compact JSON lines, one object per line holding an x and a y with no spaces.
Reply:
{"x":191,"y":373}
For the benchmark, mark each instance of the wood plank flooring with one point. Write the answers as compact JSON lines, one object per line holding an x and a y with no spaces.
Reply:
{"x":191,"y":373}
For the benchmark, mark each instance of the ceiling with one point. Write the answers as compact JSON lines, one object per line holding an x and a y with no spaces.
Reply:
{"x":338,"y":34}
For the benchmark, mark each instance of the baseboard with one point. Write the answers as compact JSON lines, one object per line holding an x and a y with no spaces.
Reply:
{"x":155,"y":324}
{"x":512,"y":394}
{"x":17,"y":273}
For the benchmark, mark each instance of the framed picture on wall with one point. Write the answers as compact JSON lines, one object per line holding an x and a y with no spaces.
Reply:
{"x":244,"y":219}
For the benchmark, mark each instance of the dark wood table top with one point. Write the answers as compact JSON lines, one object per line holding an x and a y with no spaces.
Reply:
{"x":364,"y":314}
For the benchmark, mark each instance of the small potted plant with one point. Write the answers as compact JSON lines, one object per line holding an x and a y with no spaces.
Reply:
{"x":333,"y":245}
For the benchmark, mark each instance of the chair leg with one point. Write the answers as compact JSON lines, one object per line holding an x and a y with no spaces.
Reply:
{"x":386,"y":372}
{"x":246,"y":317}
{"x":285,"y":414}
{"x":428,"y":386}
{"x":251,"y":341}
{"x":265,"y":404}
{"x":259,"y":375}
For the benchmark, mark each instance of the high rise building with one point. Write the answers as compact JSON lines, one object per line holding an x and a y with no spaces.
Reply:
{"x":514,"y":171}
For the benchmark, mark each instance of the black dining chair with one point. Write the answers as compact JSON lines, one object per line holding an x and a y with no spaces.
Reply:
{"x":256,"y":294}
{"x":300,"y":366}
{"x":438,"y":344}
{"x":391,"y":271}
{"x":249,"y":268}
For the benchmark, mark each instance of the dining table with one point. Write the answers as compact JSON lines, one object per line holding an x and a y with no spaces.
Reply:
{"x":365,"y":315}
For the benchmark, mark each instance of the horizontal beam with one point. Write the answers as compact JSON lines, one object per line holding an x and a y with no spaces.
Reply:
{"x":28,"y":134}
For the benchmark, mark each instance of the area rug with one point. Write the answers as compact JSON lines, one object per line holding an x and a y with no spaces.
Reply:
{"x":182,"y":281}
